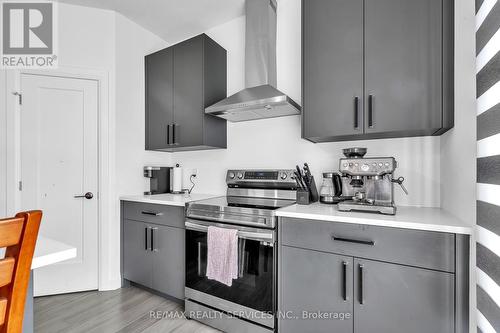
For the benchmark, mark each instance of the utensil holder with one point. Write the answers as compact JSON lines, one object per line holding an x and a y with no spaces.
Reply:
{"x":303,"y":197}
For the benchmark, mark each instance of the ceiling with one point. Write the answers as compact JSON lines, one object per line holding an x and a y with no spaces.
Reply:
{"x":172,"y":20}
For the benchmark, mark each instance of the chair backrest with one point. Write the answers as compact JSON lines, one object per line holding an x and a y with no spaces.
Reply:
{"x":18,"y":235}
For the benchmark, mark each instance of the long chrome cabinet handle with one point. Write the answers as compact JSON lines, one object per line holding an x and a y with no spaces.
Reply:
{"x":154,"y":239}
{"x":199,"y":258}
{"x":257,"y":236}
{"x":352,"y":240}
{"x":146,"y":245}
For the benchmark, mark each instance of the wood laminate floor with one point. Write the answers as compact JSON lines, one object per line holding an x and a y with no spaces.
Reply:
{"x":123,"y":310}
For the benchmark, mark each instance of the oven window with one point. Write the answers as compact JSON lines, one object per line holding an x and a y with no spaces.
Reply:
{"x":254,"y":286}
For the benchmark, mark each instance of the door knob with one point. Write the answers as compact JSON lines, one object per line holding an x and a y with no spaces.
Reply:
{"x":87,"y":195}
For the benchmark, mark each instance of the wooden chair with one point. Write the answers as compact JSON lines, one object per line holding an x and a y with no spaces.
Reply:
{"x":18,"y":235}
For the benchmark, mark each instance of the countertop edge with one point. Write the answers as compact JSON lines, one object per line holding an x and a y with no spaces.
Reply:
{"x":382,"y":223}
{"x":49,"y":251}
{"x":156,"y":202}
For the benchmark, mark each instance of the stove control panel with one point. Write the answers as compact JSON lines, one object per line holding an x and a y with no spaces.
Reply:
{"x":235,"y":178}
{"x":373,"y":166}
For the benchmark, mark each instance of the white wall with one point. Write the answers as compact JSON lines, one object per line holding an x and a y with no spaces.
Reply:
{"x":132,"y":44}
{"x":96,"y":40}
{"x":458,"y":146}
{"x":276,"y":143}
{"x":3,"y":145}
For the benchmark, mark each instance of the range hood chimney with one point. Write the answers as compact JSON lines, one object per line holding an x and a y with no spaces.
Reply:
{"x":260,"y":99}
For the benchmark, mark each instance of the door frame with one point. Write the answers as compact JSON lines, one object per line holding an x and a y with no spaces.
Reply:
{"x":107,"y":278}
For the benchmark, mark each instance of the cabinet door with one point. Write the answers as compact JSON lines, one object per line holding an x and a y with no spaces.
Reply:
{"x":403,"y":66}
{"x":168,"y":261}
{"x":189,"y":108}
{"x":159,"y":102}
{"x":392,"y":298}
{"x":137,"y":259}
{"x":315,"y":283}
{"x":332,"y":68}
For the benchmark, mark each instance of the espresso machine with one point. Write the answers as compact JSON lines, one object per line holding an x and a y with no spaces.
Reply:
{"x":159,"y":179}
{"x":369,"y":182}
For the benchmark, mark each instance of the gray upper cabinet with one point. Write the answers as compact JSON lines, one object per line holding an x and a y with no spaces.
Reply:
{"x":403,"y":66}
{"x":181,"y":81}
{"x":332,"y":68}
{"x":159,"y":98}
{"x":396,"y":56}
{"x":393,"y":298}
{"x":315,"y":282}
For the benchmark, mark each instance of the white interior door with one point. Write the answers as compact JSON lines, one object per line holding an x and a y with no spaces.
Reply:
{"x":59,"y":161}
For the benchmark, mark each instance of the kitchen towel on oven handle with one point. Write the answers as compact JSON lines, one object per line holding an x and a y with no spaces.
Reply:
{"x":222,"y":255}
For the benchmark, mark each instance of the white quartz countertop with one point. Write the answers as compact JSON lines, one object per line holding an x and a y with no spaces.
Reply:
{"x":431,"y":219}
{"x":168,"y":198}
{"x":49,"y":251}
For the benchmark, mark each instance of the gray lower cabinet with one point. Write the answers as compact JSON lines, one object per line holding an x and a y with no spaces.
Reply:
{"x":153,"y":247}
{"x":168,"y":261}
{"x":393,"y":298}
{"x":315,"y":282}
{"x":387,"y":279}
{"x":181,"y":81}
{"x":137,"y":259}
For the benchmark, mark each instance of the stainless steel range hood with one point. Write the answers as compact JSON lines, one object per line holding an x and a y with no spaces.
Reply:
{"x":260,"y":99}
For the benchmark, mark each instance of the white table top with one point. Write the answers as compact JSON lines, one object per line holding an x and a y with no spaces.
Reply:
{"x":49,"y":251}
{"x":431,"y":219}
{"x":168,"y":198}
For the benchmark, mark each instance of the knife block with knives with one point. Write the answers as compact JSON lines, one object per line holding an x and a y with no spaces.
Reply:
{"x":307,"y":192}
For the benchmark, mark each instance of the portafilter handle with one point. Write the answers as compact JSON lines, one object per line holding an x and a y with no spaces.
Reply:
{"x":400,"y":181}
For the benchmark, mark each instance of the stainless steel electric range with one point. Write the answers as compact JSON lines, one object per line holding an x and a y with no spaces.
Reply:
{"x":249,"y":305}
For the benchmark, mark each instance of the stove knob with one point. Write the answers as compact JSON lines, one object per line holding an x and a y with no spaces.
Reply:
{"x":283,"y":175}
{"x":365,"y":167}
{"x":240,"y":175}
{"x":231,"y":175}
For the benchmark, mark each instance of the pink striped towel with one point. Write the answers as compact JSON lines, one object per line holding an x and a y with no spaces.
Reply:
{"x":222,"y":255}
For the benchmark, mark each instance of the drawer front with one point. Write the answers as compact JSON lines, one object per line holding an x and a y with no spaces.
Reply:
{"x":159,"y":214}
{"x":433,"y":250}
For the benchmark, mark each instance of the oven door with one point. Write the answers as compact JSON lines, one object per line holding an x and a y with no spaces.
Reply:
{"x":252,"y":294}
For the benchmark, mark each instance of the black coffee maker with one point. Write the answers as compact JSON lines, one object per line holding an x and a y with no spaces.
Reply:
{"x":160,"y":179}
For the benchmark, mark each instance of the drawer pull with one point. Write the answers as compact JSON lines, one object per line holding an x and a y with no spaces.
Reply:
{"x":151,"y":213}
{"x":349,"y":240}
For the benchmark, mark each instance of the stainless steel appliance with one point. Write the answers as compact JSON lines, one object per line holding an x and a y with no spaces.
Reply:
{"x":260,"y":99}
{"x":159,"y":179}
{"x":249,"y":206}
{"x":369,"y":181}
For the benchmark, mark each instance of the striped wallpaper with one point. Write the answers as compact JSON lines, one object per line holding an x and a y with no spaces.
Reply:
{"x":488,"y":164}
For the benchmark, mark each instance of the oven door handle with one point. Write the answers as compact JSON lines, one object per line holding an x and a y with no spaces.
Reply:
{"x":257,"y":236}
